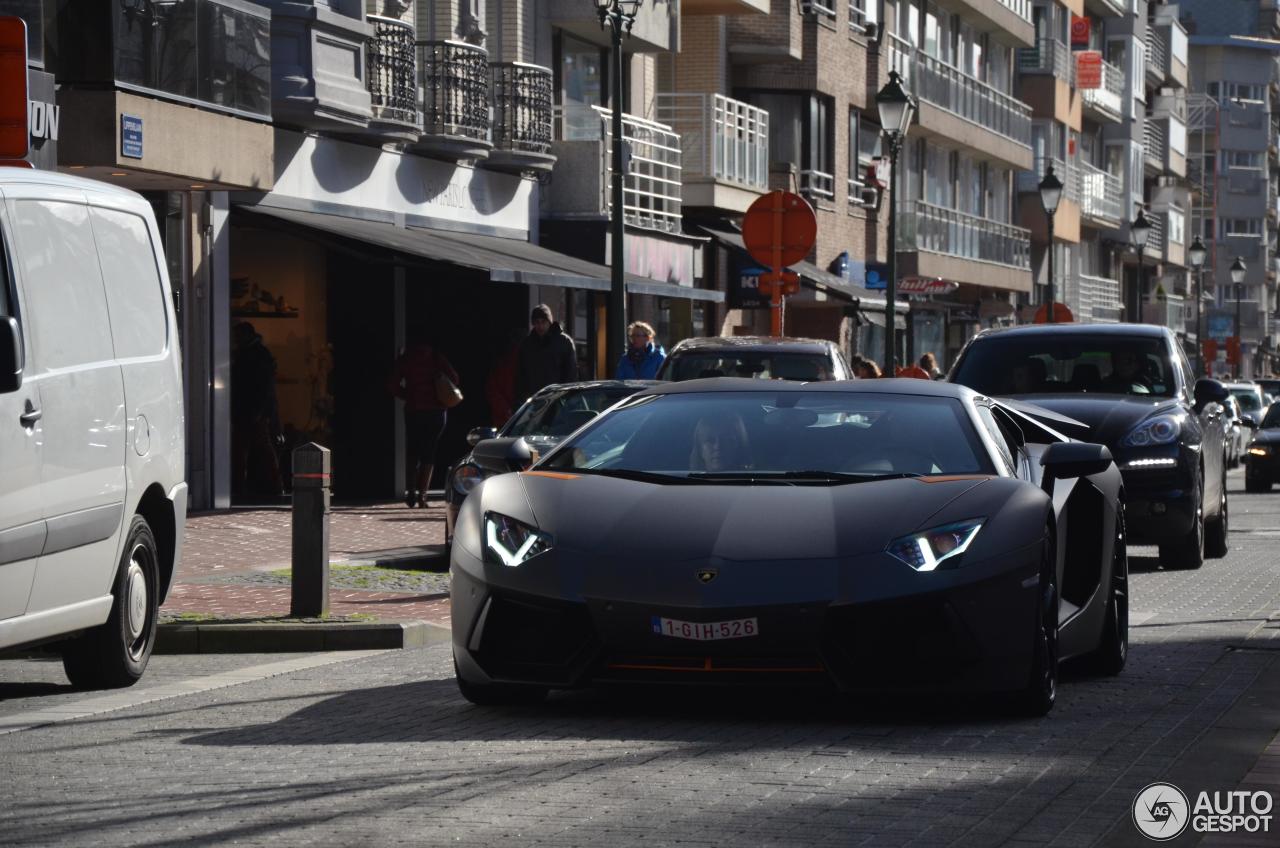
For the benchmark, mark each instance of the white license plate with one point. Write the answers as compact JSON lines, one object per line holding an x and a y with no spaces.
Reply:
{"x":706,"y":631}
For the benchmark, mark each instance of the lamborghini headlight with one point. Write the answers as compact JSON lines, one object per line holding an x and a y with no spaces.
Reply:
{"x":928,"y":550}
{"x":512,"y":542}
{"x":1158,"y":430}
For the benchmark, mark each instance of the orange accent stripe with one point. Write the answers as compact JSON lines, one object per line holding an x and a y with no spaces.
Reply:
{"x":949,"y":478}
{"x":555,"y":475}
{"x":317,"y":475}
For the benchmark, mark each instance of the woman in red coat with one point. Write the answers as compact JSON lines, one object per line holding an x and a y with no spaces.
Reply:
{"x":414,"y":381}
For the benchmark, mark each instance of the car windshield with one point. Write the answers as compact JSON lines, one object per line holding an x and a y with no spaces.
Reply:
{"x":1273,"y":418}
{"x":1047,"y":364}
{"x":559,"y":414}
{"x":764,"y":365}
{"x":1248,"y":399}
{"x":788,"y":435}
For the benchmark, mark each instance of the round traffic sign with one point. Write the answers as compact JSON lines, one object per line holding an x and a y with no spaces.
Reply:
{"x":779,"y":229}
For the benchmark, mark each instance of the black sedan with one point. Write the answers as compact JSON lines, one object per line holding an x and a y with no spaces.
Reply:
{"x":543,"y":421}
{"x":1262,"y":460}
{"x":1131,"y":387}
{"x":898,"y":535}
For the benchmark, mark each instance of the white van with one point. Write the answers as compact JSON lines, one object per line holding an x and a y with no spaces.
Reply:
{"x":92,"y":492}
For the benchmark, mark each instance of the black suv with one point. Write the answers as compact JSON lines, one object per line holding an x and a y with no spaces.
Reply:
{"x":763,"y":357}
{"x":1131,"y":388}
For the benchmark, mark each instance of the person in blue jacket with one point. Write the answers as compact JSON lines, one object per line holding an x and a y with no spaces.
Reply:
{"x":643,"y":358}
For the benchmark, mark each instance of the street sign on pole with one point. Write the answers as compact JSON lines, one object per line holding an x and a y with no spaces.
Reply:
{"x":779,"y":230}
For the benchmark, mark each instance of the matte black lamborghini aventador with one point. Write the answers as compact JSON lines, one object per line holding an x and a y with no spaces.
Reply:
{"x":898,"y":535}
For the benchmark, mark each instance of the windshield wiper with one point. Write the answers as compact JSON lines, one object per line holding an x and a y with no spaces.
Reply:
{"x":846,"y":477}
{"x":793,"y":477}
{"x":632,"y":474}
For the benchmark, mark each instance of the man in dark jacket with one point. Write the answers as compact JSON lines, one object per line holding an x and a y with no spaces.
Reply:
{"x":546,"y":355}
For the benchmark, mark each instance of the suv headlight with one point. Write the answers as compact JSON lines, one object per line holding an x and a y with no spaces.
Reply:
{"x":466,"y":478}
{"x":1160,"y":430}
{"x":512,"y":542}
{"x":928,"y":550}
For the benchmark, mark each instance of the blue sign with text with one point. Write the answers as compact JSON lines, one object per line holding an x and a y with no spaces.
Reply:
{"x":131,"y":136}
{"x":877,"y":275}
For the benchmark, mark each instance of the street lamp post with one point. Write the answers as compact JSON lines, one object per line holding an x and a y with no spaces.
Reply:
{"x":1238,"y":269}
{"x":1139,"y":231}
{"x":618,"y":16}
{"x":1197,"y":253}
{"x":1050,"y":194}
{"x":895,"y":107}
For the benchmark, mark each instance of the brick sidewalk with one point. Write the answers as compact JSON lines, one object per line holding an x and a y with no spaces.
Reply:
{"x":224,"y":543}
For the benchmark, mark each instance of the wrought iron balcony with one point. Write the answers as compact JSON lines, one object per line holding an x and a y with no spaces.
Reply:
{"x":1106,"y":102}
{"x":934,"y":229}
{"x":522,"y":123}
{"x":1100,"y":200}
{"x":455,"y":99}
{"x":392,"y":76}
{"x":723,"y":141}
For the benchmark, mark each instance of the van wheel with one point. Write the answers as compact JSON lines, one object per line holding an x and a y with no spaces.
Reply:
{"x":115,"y":653}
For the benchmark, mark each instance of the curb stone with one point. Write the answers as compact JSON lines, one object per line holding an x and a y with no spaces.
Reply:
{"x":282,"y":637}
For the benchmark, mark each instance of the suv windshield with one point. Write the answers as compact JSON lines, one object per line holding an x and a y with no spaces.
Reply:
{"x":787,"y":435}
{"x":558,"y":415}
{"x":1248,"y":398}
{"x":1048,"y":364}
{"x":763,"y":365}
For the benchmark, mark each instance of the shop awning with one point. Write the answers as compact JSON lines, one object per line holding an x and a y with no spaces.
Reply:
{"x":505,"y":260}
{"x":813,"y":277}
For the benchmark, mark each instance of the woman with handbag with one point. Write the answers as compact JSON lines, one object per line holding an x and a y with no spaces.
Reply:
{"x":428,"y":385}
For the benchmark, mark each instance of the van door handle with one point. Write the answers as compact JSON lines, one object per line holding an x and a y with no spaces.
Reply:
{"x":30,"y":416}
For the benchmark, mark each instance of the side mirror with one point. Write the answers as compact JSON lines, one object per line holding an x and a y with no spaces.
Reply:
{"x":500,"y":456}
{"x":1065,"y":460}
{"x":1249,"y":420}
{"x":11,"y":357}
{"x":480,"y":434}
{"x":1209,"y":391}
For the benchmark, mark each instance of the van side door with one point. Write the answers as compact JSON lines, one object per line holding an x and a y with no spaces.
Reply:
{"x":82,"y":479}
{"x":22,"y":528}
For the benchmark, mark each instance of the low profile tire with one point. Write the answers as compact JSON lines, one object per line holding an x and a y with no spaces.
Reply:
{"x":1216,"y":532}
{"x":1187,"y":552}
{"x":115,"y":653}
{"x":1042,"y":687}
{"x":497,"y":694}
{"x":1113,"y":648}
{"x":1257,"y":485}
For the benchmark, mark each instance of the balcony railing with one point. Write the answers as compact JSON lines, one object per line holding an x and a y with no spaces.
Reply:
{"x":818,"y":185}
{"x":1021,"y":8}
{"x":522,"y":97}
{"x":392,"y":72}
{"x":1049,"y":56}
{"x":1109,"y":98}
{"x":1099,"y":300}
{"x":1154,"y":141}
{"x":455,"y":89}
{"x":1245,"y":180}
{"x":1029,"y":181}
{"x":1099,"y":191}
{"x":1156,"y":235}
{"x":1157,"y":51}
{"x":933,"y":229}
{"x":1168,"y":311}
{"x":935,"y":82}
{"x":721,"y":138}
{"x":819,"y":8}
{"x":651,"y":188}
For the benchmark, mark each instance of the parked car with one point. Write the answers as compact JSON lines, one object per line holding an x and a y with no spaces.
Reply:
{"x":1252,"y":400}
{"x":901,"y":535}
{"x":1262,"y":459}
{"x":1269,"y":385}
{"x":761,"y":357}
{"x":543,"y":421}
{"x":92,"y":497}
{"x":1130,"y":387}
{"x":1237,"y":431}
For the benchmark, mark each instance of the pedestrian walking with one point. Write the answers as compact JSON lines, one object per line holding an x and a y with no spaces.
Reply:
{"x":643,"y":357}
{"x":428,"y":385}
{"x":546,"y":355}
{"x":930,"y":366}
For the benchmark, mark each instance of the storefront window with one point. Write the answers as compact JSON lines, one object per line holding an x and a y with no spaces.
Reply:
{"x":581,"y":87}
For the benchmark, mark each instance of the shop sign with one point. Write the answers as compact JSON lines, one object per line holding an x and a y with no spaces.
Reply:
{"x":1088,"y":69}
{"x":130,"y":136}
{"x":744,"y":284}
{"x":1079,"y":32}
{"x":876,"y":276}
{"x":926,"y":285}
{"x":43,"y":119}
{"x":660,"y":259}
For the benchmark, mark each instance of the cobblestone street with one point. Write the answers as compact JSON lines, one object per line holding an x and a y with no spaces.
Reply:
{"x":380,"y":749}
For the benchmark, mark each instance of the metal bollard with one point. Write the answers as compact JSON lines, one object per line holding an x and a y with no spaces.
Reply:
{"x":310,"y":596}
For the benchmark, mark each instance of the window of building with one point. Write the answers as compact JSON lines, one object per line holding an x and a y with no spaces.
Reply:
{"x":1177,"y":226}
{"x":863,"y":13}
{"x":1242,"y":159}
{"x":1239,"y":91}
{"x":1242,"y":227}
{"x":581,"y":86}
{"x":820,"y":136}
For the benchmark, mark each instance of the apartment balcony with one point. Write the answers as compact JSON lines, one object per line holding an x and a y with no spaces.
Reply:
{"x":1167,"y":311}
{"x":1165,"y":143}
{"x":1247,"y":182}
{"x":656,"y":28}
{"x":1107,"y":102}
{"x":936,"y":241}
{"x":1157,"y":68}
{"x":724,"y":148}
{"x":1155,"y":247}
{"x":391,"y":73}
{"x":1028,"y":182}
{"x":1099,"y":300}
{"x":1170,"y":39}
{"x":454,"y":77}
{"x":1173,"y":230}
{"x":522,"y":121}
{"x":318,"y":65}
{"x":961,"y":109}
{"x":1107,"y":8}
{"x":652,"y":186}
{"x":1155,"y":140}
{"x":1100,"y":195}
{"x":1049,"y":57}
